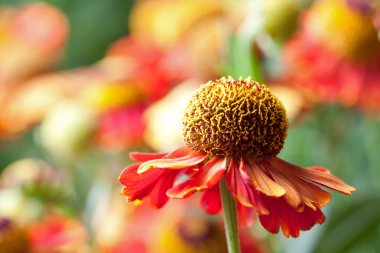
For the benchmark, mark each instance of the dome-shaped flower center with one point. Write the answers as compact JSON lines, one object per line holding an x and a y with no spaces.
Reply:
{"x":235,"y":117}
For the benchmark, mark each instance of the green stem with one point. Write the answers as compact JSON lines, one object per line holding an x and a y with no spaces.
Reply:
{"x":230,"y":222}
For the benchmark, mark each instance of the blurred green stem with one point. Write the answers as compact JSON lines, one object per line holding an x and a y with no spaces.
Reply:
{"x":230,"y":222}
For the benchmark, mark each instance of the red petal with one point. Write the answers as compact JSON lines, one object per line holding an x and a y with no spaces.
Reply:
{"x":158,"y":195}
{"x":258,"y":204}
{"x":183,"y":151}
{"x":246,"y":215}
{"x":210,"y":200}
{"x":289,"y":219}
{"x":237,"y":182}
{"x":176,"y":163}
{"x":138,"y":186}
{"x":292,"y":196}
{"x":299,"y":191}
{"x":207,"y":176}
{"x":143,"y":157}
{"x":315,"y":176}
{"x":128,"y":172}
{"x":320,"y":169}
{"x":261,"y":181}
{"x":270,"y":222}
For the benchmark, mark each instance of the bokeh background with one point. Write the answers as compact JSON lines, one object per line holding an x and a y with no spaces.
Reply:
{"x":82,"y":83}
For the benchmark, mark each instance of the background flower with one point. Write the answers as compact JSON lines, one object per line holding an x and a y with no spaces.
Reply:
{"x":332,"y":62}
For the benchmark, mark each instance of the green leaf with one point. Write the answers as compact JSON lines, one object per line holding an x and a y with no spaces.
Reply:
{"x":244,"y":61}
{"x":352,"y":228}
{"x":94,"y":26}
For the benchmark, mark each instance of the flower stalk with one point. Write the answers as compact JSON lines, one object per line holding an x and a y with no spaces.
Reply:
{"x":230,"y":221}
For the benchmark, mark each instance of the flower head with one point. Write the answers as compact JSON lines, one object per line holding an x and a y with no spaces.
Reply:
{"x":234,"y":129}
{"x":235,"y":117}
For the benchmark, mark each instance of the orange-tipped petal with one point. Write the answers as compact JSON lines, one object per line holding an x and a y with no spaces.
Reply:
{"x":314,"y":175}
{"x":299,"y":191}
{"x":210,"y":200}
{"x":128,"y":172}
{"x":191,"y":159}
{"x":153,"y":183}
{"x":138,"y":186}
{"x":258,"y":204}
{"x":262,"y":182}
{"x":292,"y":196}
{"x":143,"y":157}
{"x":238,"y":183}
{"x":207,"y":176}
{"x":183,"y":151}
{"x":320,"y":169}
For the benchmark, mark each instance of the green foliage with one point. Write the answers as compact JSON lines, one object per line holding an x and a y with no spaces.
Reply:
{"x":354,"y":227}
{"x":243,"y":61}
{"x":17,"y":148}
{"x":94,"y":26}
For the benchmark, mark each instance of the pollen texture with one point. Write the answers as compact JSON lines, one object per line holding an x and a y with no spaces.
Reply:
{"x":235,"y":117}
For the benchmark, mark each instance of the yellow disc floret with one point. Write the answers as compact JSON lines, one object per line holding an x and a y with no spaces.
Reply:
{"x":235,"y":117}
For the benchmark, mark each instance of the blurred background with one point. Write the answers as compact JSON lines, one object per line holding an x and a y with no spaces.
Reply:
{"x":83,"y":83}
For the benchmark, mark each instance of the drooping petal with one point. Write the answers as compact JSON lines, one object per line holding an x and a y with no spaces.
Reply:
{"x":298,"y":191}
{"x":158,"y":195}
{"x":180,"y":159}
{"x":210,"y":200}
{"x":320,"y":169}
{"x":314,"y":175}
{"x":282,"y":215}
{"x":211,"y":203}
{"x":143,"y":157}
{"x":292,"y":196}
{"x":258,"y":203}
{"x":207,"y":176}
{"x":181,"y":152}
{"x":153,"y":184}
{"x":245,"y":216}
{"x":270,"y":222}
{"x":261,"y":181}
{"x":238,"y":183}
{"x":138,"y":186}
{"x":128,"y":173}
